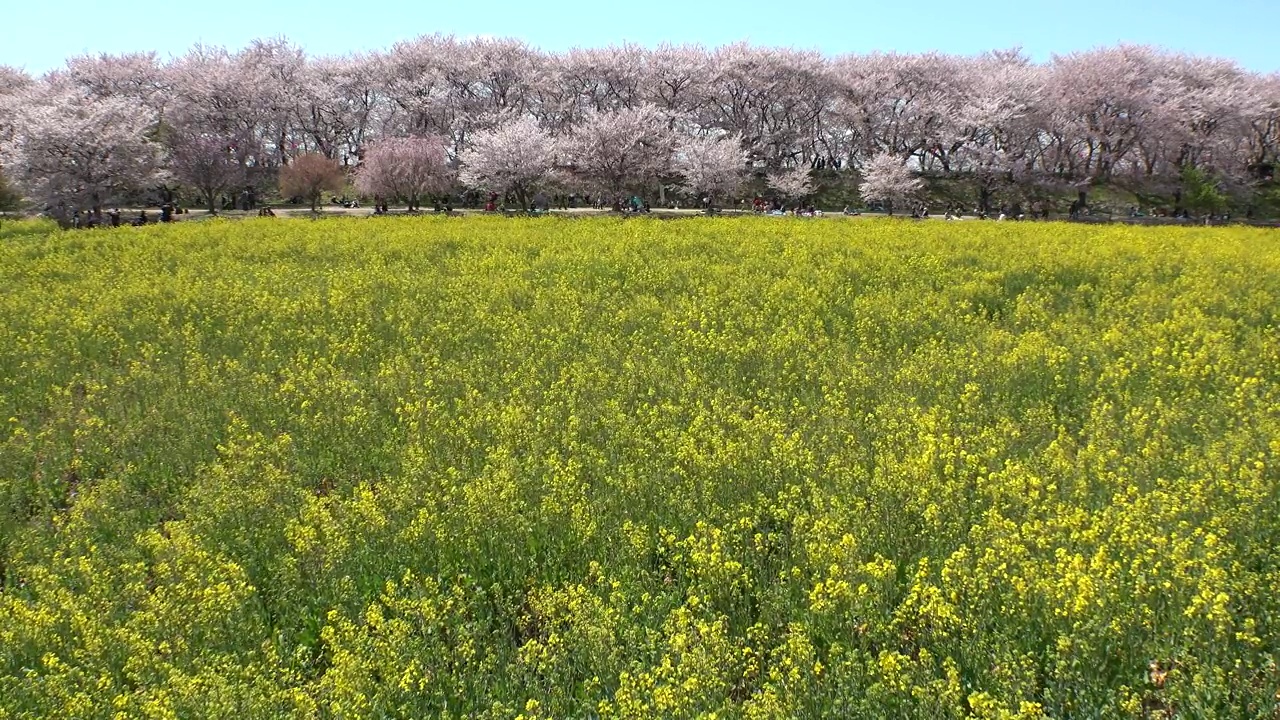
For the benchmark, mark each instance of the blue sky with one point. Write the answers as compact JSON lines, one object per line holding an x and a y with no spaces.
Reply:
{"x":40,"y":34}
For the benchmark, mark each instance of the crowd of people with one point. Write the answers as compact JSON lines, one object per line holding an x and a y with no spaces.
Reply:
{"x":114,"y":218}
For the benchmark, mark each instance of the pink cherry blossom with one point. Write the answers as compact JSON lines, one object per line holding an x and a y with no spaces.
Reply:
{"x":70,"y":152}
{"x":408,"y":168}
{"x":886,"y":178}
{"x":513,"y":157}
{"x":620,"y":150}
{"x":711,"y":165}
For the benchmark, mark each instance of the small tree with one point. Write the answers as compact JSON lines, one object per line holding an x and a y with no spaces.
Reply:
{"x":710,"y":165}
{"x":792,"y":184}
{"x":309,"y":176}
{"x":209,"y":163}
{"x":10,"y":199}
{"x":1200,"y":193}
{"x":409,"y":168}
{"x":888,"y":179}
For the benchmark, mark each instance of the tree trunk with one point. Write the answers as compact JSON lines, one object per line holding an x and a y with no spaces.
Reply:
{"x":63,"y":217}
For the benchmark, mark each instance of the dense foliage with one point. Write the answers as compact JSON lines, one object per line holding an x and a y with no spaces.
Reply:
{"x":704,"y":468}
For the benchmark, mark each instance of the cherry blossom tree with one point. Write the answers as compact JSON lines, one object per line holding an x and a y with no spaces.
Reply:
{"x":274,"y":72}
{"x":1102,"y":102}
{"x":75,"y":153}
{"x":207,"y":162}
{"x":415,"y":83}
{"x":1197,"y":123}
{"x":345,"y":105}
{"x":1261,"y":144}
{"x":772,"y":97}
{"x":792,"y":184}
{"x":211,"y":97}
{"x":675,"y":78}
{"x":711,"y":165}
{"x":309,"y":176}
{"x":514,"y":157}
{"x":139,"y":77}
{"x":997,"y":126}
{"x":601,"y":80}
{"x":13,"y":79}
{"x":622,"y":150}
{"x":409,"y":168}
{"x":904,"y":104}
{"x":14,"y":85}
{"x":491,"y":80}
{"x":442,"y":89}
{"x":887,"y":178}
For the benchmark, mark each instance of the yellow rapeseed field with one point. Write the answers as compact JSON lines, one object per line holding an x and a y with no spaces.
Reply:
{"x":552,"y":468}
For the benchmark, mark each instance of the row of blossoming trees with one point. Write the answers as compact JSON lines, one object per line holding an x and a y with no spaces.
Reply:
{"x":498,"y":115}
